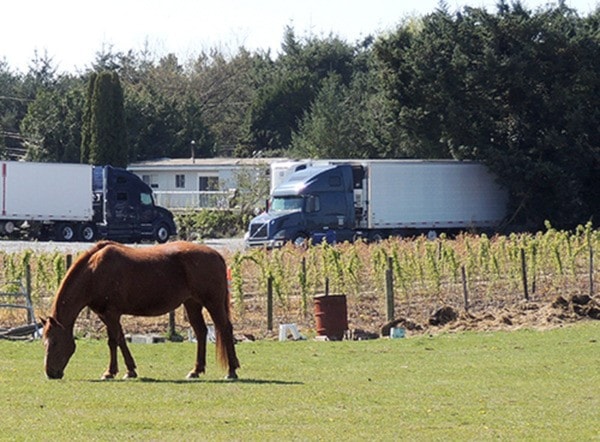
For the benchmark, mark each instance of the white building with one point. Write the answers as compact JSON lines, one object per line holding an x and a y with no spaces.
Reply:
{"x":188,"y":183}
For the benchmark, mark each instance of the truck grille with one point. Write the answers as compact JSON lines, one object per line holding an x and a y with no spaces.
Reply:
{"x":259,"y":230}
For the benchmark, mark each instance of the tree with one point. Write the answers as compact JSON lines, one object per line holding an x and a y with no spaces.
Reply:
{"x":347,"y":120}
{"x":51,"y":129}
{"x":107,"y":133}
{"x":223,"y":88}
{"x":86,"y":119}
{"x":13,"y":107}
{"x":164,"y":113}
{"x":276,"y":111}
{"x":517,"y":90}
{"x":289,"y":89}
{"x":329,"y":129}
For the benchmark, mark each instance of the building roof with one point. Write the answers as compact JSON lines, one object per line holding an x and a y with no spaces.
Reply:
{"x":199,"y":163}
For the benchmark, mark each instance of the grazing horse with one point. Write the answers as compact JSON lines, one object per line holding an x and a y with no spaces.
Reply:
{"x":113,"y":280}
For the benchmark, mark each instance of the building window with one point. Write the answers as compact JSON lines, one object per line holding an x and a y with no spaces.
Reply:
{"x":208,"y":183}
{"x":150,"y":180}
{"x":180,"y":181}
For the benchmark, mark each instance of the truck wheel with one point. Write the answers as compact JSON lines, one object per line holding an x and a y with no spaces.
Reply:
{"x":8,"y":228}
{"x":376,"y":237}
{"x":64,"y":232}
{"x":300,"y":240}
{"x":87,"y":233}
{"x":162,"y":233}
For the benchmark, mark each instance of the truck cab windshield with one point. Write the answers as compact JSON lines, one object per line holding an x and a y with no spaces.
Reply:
{"x":285,"y":204}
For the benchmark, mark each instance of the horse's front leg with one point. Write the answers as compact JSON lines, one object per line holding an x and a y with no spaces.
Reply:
{"x":116,"y":338}
{"x":194,"y":313}
{"x":129,"y":362}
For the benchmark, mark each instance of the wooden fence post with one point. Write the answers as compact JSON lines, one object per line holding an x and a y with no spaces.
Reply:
{"x":30,"y":319}
{"x":524,"y":274}
{"x":389,"y":290}
{"x":270,"y":303}
{"x":591,"y":271}
{"x":464,"y":284}
{"x":303,"y":287}
{"x":171,"y":332}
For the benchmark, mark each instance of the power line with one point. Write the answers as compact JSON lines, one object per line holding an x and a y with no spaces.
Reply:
{"x":4,"y":97}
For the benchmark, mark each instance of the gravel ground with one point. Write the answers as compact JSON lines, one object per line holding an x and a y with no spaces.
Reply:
{"x":232,"y":244}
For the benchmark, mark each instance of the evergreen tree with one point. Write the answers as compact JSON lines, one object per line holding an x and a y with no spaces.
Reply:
{"x":51,"y":129}
{"x":289,"y":90}
{"x":107,"y":133}
{"x":86,"y":123}
{"x":517,"y":90}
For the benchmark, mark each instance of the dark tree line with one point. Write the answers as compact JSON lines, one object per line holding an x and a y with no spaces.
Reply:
{"x":514,"y":88}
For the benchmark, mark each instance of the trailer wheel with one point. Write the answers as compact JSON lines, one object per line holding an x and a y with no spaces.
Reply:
{"x":64,"y":232}
{"x":432,"y":235}
{"x":7,"y":228}
{"x":162,"y":233}
{"x":87,"y":232}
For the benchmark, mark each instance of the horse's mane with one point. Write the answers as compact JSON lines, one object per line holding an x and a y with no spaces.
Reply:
{"x":76,"y":268}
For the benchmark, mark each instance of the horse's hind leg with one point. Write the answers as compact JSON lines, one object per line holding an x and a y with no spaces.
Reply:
{"x":194,"y":313}
{"x":225,"y":339}
{"x":116,"y":338}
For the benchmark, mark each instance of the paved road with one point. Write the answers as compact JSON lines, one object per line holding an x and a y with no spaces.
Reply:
{"x":232,"y":244}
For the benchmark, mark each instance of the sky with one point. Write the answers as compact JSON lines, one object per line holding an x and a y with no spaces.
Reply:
{"x":72,"y":32}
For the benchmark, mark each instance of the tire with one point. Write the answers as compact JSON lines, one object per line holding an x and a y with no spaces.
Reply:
{"x":65,"y":232}
{"x":376,"y":237}
{"x":8,"y":228}
{"x":300,"y":240}
{"x":87,"y":233}
{"x":162,"y":233}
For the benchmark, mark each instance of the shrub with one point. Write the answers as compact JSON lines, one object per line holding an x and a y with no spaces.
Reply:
{"x":208,"y":223}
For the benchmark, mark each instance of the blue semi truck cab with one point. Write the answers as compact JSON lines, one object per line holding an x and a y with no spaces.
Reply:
{"x":124,"y":209}
{"x":315,"y":203}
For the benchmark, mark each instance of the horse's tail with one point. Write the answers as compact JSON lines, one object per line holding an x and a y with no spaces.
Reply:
{"x":225,"y":339}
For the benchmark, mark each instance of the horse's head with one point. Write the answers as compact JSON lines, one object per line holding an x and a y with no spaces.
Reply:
{"x":60,"y":346}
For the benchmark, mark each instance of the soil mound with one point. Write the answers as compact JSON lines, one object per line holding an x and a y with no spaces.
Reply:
{"x":525,"y":314}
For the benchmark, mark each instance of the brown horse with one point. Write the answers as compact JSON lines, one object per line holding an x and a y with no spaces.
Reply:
{"x":113,"y":280}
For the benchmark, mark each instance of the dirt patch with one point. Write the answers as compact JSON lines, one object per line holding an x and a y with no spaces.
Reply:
{"x":539,"y":314}
{"x":525,"y":314}
{"x":367,"y":320}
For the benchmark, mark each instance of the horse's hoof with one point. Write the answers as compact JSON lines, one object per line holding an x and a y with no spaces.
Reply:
{"x":107,"y":376}
{"x":231,"y":377}
{"x":130,"y":375}
{"x":192,"y":375}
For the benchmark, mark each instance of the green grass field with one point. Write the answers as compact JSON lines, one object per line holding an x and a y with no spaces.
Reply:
{"x":523,"y":385}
